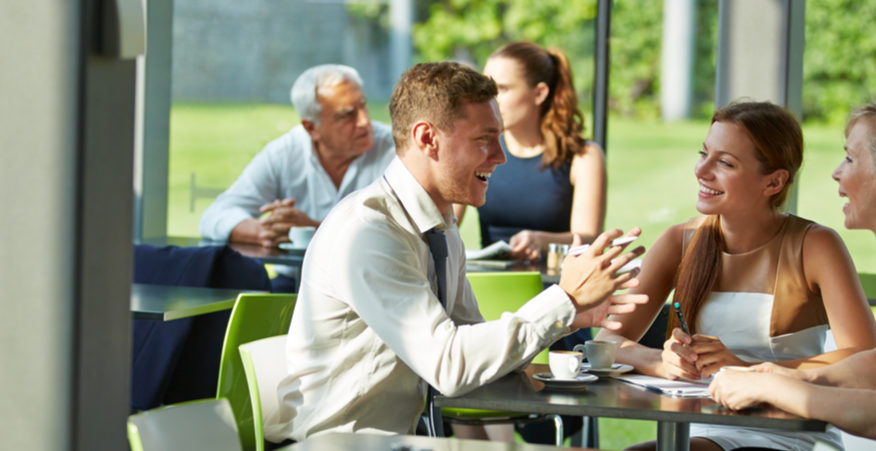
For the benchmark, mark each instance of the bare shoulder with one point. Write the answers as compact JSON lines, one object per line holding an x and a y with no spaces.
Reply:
{"x":589,"y":162}
{"x":820,"y":240}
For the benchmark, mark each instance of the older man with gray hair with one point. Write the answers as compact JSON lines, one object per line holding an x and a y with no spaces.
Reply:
{"x":297,"y":178}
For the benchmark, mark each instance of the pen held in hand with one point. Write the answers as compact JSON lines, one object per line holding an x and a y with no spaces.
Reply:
{"x":677,"y":307}
{"x":617,"y":242}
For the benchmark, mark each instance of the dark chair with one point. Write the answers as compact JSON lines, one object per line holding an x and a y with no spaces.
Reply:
{"x":178,"y":360}
{"x":655,"y":336}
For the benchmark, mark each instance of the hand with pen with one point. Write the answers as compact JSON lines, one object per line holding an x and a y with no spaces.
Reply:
{"x":695,"y":356}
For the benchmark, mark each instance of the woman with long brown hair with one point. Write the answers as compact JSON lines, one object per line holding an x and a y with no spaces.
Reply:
{"x":754,"y":284}
{"x":553,"y":183}
{"x":843,"y":393}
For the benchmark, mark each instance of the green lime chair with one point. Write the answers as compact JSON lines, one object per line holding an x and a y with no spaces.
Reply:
{"x":202,"y":424}
{"x":265,"y":366}
{"x":498,"y":292}
{"x":255,"y":316}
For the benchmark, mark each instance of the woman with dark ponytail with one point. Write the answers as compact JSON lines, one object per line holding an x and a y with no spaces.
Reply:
{"x":754,"y":284}
{"x":553,"y":184}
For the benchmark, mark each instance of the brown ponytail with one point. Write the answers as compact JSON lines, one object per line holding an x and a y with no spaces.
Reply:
{"x":562,"y":123}
{"x":778,"y":144}
{"x":698,"y":271}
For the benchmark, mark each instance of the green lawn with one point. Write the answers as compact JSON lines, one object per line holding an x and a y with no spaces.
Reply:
{"x":650,"y":167}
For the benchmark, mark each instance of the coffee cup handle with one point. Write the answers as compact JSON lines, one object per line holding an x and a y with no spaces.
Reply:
{"x":580,"y":348}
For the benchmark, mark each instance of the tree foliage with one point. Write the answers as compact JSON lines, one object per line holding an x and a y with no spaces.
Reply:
{"x":839,"y":51}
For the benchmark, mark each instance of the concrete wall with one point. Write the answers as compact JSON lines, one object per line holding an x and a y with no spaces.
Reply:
{"x":253,"y":50}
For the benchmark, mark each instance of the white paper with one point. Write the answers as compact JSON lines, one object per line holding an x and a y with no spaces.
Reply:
{"x":676,"y":388}
{"x":496,"y":251}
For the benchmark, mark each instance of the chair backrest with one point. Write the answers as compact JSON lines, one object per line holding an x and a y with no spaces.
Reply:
{"x":194,"y":425}
{"x":506,"y":291}
{"x":255,"y":316}
{"x":264,"y":362}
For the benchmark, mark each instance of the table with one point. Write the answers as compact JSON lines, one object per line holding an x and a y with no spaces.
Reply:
{"x":518,"y":392}
{"x":164,"y":302}
{"x":274,"y":256}
{"x":369,"y":442}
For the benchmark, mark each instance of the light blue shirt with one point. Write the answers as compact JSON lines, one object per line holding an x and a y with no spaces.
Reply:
{"x":288,"y":167}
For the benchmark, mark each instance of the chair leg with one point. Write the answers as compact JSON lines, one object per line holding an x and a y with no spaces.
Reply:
{"x":558,"y":424}
{"x":434,"y":423}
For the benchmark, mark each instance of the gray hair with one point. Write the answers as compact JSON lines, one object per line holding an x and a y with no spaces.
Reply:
{"x":303,"y":93}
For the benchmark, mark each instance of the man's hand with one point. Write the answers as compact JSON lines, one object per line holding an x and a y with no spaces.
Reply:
{"x":591,"y":277}
{"x":278,"y":217}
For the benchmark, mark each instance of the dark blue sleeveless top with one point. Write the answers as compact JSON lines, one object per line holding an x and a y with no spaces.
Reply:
{"x":524,"y":195}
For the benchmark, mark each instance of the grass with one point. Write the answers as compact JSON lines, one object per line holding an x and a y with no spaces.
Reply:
{"x":650,"y":168}
{"x":650,"y":184}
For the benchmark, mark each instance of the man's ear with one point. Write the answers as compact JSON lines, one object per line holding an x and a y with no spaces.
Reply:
{"x":425,"y":138}
{"x":310,"y":128}
{"x":776,"y":182}
{"x":541,"y":92}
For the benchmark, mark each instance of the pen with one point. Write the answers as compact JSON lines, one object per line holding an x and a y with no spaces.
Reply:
{"x":680,"y":317}
{"x":617,"y":242}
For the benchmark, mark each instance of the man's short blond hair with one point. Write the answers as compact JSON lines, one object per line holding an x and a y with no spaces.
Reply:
{"x":435,"y":92}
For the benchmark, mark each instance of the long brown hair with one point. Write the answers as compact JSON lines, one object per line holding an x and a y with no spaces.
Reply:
{"x":778,"y":144}
{"x":561,"y":122}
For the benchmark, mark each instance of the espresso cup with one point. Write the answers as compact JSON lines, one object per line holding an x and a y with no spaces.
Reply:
{"x":565,"y":364}
{"x":600,"y":353}
{"x":300,"y":236}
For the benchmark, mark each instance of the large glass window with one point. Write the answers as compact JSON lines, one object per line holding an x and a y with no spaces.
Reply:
{"x":234,"y":62}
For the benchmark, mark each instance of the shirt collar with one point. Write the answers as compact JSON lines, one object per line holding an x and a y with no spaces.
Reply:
{"x":414,"y":198}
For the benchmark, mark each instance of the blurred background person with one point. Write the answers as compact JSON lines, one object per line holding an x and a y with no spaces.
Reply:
{"x":553,"y":183}
{"x":297,"y":178}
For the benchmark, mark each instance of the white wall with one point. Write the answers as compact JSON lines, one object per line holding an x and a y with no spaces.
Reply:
{"x":37,"y":141}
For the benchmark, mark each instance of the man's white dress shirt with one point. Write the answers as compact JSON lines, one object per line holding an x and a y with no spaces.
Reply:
{"x":369,"y":333}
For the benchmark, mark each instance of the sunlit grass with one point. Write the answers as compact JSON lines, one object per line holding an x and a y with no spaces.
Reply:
{"x":650,"y":167}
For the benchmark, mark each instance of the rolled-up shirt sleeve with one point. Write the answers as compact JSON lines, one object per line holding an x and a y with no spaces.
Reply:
{"x":257,"y":185}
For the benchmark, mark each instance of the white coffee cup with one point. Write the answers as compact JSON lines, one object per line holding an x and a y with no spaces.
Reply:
{"x":300,"y":236}
{"x":600,"y":353}
{"x":565,"y":364}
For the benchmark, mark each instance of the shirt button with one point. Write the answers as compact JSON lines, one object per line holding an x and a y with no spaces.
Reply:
{"x":558,"y":324}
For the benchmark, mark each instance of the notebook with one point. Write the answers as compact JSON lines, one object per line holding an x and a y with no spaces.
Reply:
{"x":676,"y":388}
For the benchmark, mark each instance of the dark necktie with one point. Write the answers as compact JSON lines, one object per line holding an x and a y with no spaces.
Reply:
{"x":438,"y":248}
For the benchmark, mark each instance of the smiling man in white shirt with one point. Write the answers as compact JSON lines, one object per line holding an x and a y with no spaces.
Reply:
{"x":369,"y":334}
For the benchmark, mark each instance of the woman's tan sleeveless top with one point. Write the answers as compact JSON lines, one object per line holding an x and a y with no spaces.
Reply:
{"x":775,"y":268}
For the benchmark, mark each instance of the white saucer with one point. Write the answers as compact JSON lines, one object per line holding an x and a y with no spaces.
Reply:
{"x":578,"y":383}
{"x":616,"y":369}
{"x":291,"y":247}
